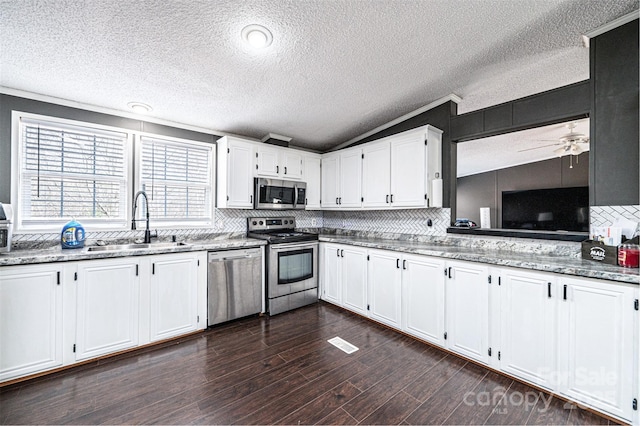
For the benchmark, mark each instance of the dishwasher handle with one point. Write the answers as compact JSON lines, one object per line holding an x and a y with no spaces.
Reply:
{"x":220,"y":256}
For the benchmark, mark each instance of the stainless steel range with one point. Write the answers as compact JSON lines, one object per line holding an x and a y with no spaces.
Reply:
{"x":291,"y":263}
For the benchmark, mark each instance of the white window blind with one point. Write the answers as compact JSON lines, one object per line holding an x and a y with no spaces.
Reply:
{"x":177,"y":177}
{"x":69,"y":171}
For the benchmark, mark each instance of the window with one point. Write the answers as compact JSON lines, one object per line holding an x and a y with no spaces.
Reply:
{"x":177,"y":177}
{"x":70,"y":171}
{"x":63,"y":170}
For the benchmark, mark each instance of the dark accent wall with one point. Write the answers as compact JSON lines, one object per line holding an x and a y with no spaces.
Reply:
{"x":13,"y":103}
{"x":439,"y":117}
{"x":485,"y":189}
{"x":553,"y":106}
{"x":614,"y":135}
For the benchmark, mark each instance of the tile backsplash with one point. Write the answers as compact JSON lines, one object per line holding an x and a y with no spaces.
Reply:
{"x":606,"y":215}
{"x":413,"y":221}
{"x":233,"y":222}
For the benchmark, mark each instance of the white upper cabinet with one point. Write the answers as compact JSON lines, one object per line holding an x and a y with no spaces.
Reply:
{"x":278,"y":162}
{"x":330,"y":187}
{"x":235,"y":173}
{"x":408,"y":170}
{"x":398,"y":171}
{"x":312,"y":176}
{"x":350,"y":178}
{"x":376,"y":174}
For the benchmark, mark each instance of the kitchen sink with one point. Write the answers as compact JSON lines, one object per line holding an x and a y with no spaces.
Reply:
{"x":135,"y":246}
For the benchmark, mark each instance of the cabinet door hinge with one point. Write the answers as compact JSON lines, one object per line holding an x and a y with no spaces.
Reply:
{"x":445,"y":335}
{"x":489,"y":279}
{"x":426,"y":141}
{"x":636,"y":304}
{"x":489,"y":351}
{"x":59,"y":279}
{"x":498,"y":355}
{"x":445,"y":272}
{"x":74,"y":348}
{"x":228,"y":150}
{"x":136,"y":270}
{"x":634,"y":404}
{"x":227,"y":198}
{"x":75,"y":276}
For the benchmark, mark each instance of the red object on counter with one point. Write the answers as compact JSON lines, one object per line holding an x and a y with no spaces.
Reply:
{"x":629,"y":255}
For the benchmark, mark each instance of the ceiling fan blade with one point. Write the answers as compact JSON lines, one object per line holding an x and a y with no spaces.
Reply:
{"x":538,"y":147}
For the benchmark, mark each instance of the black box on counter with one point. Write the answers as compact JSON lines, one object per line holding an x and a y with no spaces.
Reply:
{"x":599,"y":252}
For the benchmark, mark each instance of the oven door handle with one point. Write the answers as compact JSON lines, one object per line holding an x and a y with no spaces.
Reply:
{"x":295,"y":245}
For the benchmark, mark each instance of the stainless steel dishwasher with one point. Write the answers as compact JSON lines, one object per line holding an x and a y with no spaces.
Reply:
{"x":234,"y":284}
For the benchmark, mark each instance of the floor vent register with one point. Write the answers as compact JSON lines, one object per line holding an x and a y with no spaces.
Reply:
{"x":343,"y":345}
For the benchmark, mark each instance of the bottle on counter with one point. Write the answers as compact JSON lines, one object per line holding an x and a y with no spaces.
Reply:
{"x":72,"y":235}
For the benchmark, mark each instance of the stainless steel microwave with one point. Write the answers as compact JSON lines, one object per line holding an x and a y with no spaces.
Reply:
{"x":278,"y":194}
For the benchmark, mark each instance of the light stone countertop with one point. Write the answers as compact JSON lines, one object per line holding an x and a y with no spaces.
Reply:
{"x":58,"y":254}
{"x":545,"y":262}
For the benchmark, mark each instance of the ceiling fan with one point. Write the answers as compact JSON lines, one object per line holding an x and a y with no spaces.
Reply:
{"x":573,"y":143}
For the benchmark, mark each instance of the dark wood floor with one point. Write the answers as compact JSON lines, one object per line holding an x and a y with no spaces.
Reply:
{"x":281,"y":370}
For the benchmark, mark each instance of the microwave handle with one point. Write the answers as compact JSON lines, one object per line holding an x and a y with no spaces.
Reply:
{"x":295,"y":199}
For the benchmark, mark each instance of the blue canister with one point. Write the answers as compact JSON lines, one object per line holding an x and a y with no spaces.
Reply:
{"x":72,"y":235}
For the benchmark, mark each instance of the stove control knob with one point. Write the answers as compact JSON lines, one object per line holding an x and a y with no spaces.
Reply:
{"x":255,"y":223}
{"x":286,"y":221}
{"x":261,"y":223}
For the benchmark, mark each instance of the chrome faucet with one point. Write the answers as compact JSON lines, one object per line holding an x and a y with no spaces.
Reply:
{"x":147,"y":232}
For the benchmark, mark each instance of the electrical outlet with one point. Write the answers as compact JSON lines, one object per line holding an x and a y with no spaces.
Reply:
{"x":314,"y":222}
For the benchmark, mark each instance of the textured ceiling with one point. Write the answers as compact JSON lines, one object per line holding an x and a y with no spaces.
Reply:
{"x":336,"y":68}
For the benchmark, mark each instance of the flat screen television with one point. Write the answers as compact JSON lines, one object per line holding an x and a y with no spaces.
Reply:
{"x":556,"y":209}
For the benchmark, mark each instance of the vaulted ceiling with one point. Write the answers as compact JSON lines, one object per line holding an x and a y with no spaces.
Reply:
{"x":335,"y":70}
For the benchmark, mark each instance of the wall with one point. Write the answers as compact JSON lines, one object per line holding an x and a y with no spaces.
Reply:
{"x":411,"y":222}
{"x":615,"y":120}
{"x":485,"y":189}
{"x":13,"y":103}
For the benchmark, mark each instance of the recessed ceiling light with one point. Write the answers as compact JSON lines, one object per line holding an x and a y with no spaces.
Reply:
{"x":139,"y":107}
{"x":257,"y":36}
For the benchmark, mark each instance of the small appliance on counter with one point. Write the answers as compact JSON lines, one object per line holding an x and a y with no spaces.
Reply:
{"x":72,"y":235}
{"x":6,"y":227}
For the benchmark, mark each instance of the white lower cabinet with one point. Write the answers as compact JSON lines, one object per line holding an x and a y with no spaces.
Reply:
{"x":467,"y":310}
{"x":57,"y":314}
{"x":173,"y":295}
{"x":423,"y":299}
{"x":31,"y":319}
{"x":528,"y":322}
{"x":577,"y":337}
{"x":385,"y":287}
{"x":353,"y":273}
{"x":330,"y":280}
{"x":596,"y":344}
{"x":344,"y":277}
{"x":108,"y":306}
